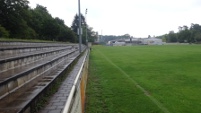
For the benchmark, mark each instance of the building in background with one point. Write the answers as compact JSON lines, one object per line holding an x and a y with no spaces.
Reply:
{"x":151,"y":41}
{"x":135,"y":41}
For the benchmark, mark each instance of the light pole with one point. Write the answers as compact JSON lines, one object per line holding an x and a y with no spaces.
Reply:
{"x":80,"y":35}
{"x":86,"y":27}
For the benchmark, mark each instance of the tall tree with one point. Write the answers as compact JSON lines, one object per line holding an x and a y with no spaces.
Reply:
{"x":92,"y":35}
{"x":21,"y":21}
{"x":172,"y":36}
{"x":195,"y":32}
{"x":184,"y":35}
{"x":40,"y":21}
{"x":12,"y":14}
{"x":75,"y":23}
{"x":65,"y":33}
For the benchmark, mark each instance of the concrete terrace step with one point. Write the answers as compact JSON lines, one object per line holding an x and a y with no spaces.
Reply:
{"x":12,"y":44}
{"x":32,"y":69}
{"x":57,"y":102}
{"x":19,"y":50}
{"x":20,"y":69}
{"x":28,"y":57}
{"x":11,"y":82}
{"x":13,"y":48}
{"x":23,"y":103}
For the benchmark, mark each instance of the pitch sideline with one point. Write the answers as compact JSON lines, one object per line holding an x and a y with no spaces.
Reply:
{"x":154,"y":100}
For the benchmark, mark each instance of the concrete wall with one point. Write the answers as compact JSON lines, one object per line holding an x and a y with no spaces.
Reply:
{"x":76,"y":98}
{"x":78,"y":105}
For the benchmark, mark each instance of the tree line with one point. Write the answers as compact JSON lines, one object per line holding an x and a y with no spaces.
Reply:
{"x":18,"y":20}
{"x":86,"y":30}
{"x":185,"y":34}
{"x":106,"y":38}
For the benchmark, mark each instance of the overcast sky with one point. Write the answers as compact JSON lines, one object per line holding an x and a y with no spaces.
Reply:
{"x":138,"y":18}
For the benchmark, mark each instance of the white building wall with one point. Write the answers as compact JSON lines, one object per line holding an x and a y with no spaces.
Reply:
{"x":119,"y":43}
{"x":152,"y":41}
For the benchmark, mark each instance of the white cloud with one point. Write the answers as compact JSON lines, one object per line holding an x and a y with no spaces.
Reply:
{"x":139,"y":18}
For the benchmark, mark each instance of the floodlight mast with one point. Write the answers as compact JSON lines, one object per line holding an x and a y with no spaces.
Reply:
{"x":80,"y":35}
{"x":86,"y":27}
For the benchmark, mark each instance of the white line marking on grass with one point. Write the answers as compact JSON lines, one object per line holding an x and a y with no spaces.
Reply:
{"x":154,"y":100}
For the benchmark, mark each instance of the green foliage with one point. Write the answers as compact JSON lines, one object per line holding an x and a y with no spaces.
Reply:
{"x":197,"y":36}
{"x":91,"y":35}
{"x":172,"y":37}
{"x":185,"y":34}
{"x":3,"y":32}
{"x":12,"y":14}
{"x":75,"y":27}
{"x":75,"y":23}
{"x":171,"y":77}
{"x":26,"y":23}
{"x":65,"y":33}
{"x":107,"y":38}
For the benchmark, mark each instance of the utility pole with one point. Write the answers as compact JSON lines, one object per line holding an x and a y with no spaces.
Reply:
{"x":86,"y":27}
{"x":80,"y":35}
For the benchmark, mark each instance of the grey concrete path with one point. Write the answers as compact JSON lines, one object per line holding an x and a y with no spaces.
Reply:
{"x":58,"y":100}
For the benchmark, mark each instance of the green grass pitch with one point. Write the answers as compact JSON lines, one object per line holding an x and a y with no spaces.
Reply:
{"x":144,"y":79}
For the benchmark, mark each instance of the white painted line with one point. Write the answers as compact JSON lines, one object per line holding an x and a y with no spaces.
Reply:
{"x":154,"y":100}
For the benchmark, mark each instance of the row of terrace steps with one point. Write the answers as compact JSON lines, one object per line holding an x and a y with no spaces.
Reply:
{"x":27,"y":69}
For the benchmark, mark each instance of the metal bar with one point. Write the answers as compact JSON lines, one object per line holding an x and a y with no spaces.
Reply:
{"x":80,"y":35}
